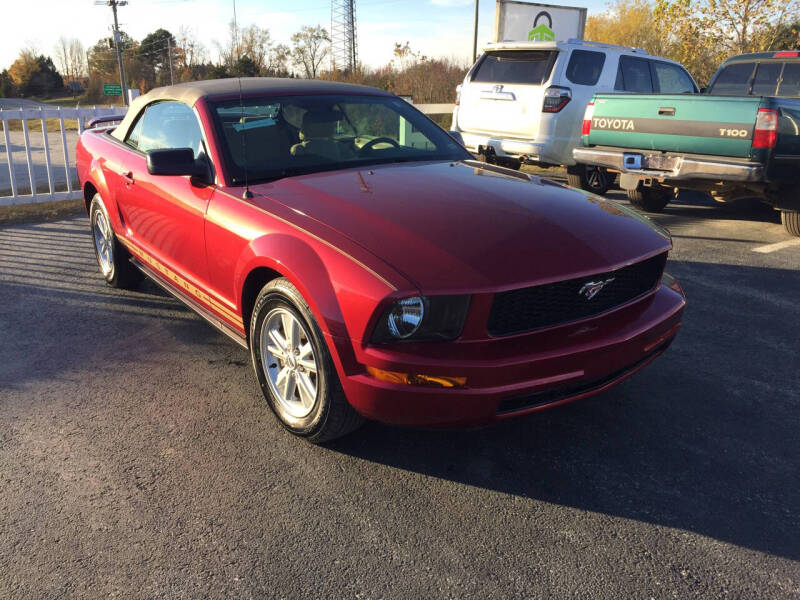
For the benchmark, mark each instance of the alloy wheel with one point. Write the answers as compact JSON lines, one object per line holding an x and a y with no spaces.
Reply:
{"x":289,"y":361}
{"x":103,"y":242}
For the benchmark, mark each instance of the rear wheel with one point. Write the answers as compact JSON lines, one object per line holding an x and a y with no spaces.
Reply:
{"x":112,"y":257}
{"x":791,"y":221}
{"x":590,"y":178}
{"x":651,"y":199}
{"x":295,"y":369}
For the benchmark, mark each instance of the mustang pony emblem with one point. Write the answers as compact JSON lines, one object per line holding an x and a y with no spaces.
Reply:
{"x":590,"y":289}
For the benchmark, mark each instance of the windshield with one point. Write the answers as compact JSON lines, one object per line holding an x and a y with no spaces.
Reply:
{"x":276,"y":137}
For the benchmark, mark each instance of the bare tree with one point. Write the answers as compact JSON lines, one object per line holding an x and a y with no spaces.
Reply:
{"x":229,"y":49}
{"x":310,"y":46}
{"x":62,"y":56}
{"x":189,"y":50}
{"x":77,"y":59}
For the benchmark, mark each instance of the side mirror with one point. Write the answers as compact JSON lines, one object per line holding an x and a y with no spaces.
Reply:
{"x":175,"y":161}
{"x":456,"y":135}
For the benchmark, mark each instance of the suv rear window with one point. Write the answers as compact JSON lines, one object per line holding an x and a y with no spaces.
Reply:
{"x":585,"y":66}
{"x":515,"y":66}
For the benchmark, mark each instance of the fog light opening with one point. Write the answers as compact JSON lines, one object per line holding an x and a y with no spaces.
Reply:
{"x":416,"y":378}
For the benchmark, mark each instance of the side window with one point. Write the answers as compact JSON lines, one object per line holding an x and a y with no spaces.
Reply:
{"x":585,"y":66}
{"x":765,"y":82}
{"x":672,"y":79}
{"x":133,"y":134}
{"x":733,"y":80}
{"x":170,"y":125}
{"x":634,"y":75}
{"x":790,"y":82}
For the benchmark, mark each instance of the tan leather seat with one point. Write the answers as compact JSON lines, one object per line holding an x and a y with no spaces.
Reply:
{"x":316,"y":135}
{"x":260,"y":144}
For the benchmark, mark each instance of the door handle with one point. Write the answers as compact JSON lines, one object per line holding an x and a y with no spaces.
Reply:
{"x":667,"y":111}
{"x":128,"y":177}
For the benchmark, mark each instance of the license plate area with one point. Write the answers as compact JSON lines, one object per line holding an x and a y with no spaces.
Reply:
{"x":658,"y":162}
{"x":636,"y":161}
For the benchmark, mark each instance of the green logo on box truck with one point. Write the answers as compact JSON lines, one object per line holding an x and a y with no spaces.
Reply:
{"x":542,"y":32}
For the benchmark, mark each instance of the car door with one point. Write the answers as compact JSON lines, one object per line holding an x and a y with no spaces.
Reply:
{"x":165,"y":214}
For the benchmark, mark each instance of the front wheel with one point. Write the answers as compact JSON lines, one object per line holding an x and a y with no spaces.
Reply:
{"x":651,"y":199}
{"x":112,"y":257}
{"x":791,"y":221}
{"x":590,"y":178}
{"x":295,"y":369}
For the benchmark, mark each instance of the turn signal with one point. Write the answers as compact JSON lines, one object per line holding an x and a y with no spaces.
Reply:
{"x":416,"y":379}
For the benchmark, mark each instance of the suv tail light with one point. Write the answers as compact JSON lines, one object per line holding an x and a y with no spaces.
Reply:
{"x":556,"y":98}
{"x":458,"y":95}
{"x":766,"y":132}
{"x":586,"y":126}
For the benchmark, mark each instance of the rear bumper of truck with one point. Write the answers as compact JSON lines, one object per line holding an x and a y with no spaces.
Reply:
{"x":672,"y":166}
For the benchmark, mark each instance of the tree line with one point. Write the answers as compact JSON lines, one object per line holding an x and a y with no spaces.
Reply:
{"x":161,"y":58}
{"x":700,"y":34}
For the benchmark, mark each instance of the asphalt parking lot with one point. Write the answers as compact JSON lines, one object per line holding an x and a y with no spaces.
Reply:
{"x":138,"y":459}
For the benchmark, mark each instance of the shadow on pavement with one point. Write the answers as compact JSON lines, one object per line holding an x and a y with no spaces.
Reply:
{"x":704,"y":439}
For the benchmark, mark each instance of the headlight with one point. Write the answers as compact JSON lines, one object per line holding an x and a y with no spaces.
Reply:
{"x":405,"y":317}
{"x":420,"y":318}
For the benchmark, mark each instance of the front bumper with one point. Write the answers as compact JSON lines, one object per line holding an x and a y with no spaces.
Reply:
{"x":680,"y":167}
{"x":521,"y":374}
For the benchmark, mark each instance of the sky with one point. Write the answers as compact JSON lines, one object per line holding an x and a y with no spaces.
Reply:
{"x":437,"y":28}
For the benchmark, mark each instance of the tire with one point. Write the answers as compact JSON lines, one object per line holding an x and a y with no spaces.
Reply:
{"x":791,"y":221}
{"x":319,"y":417}
{"x":590,"y":178}
{"x":112,"y":257}
{"x":650,"y":199}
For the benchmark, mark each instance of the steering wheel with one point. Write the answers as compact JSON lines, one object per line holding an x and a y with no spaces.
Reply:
{"x":378,"y":140}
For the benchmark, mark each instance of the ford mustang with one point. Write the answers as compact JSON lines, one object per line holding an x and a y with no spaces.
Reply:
{"x":373,"y":268}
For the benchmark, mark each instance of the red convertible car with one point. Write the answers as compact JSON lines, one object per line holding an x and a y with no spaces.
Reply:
{"x":371,"y":266}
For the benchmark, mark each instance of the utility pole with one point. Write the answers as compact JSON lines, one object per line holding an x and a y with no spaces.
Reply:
{"x":118,"y":43}
{"x":475,"y":35}
{"x":169,"y":55}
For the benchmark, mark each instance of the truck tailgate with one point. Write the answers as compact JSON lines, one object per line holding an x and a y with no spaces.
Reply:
{"x":699,"y":124}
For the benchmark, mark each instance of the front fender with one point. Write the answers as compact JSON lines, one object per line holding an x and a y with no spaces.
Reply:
{"x":299,"y":263}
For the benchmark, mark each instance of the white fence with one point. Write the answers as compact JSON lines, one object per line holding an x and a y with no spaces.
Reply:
{"x":46,"y":172}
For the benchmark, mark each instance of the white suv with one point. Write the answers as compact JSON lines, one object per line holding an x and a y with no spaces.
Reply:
{"x":524,"y":101}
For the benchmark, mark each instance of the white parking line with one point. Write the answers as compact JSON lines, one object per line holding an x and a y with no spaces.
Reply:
{"x":778,"y":246}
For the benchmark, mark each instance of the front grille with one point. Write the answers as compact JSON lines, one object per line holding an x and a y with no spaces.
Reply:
{"x":541,"y":306}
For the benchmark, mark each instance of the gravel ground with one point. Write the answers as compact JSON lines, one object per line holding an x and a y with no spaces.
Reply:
{"x":138,"y":460}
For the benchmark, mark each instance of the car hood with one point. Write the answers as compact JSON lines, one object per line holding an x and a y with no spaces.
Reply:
{"x":467,"y":226}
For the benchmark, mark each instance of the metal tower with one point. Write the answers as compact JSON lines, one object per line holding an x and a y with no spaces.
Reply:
{"x":344,"y":49}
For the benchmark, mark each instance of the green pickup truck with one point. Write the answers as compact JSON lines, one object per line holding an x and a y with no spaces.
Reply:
{"x":740,"y":138}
